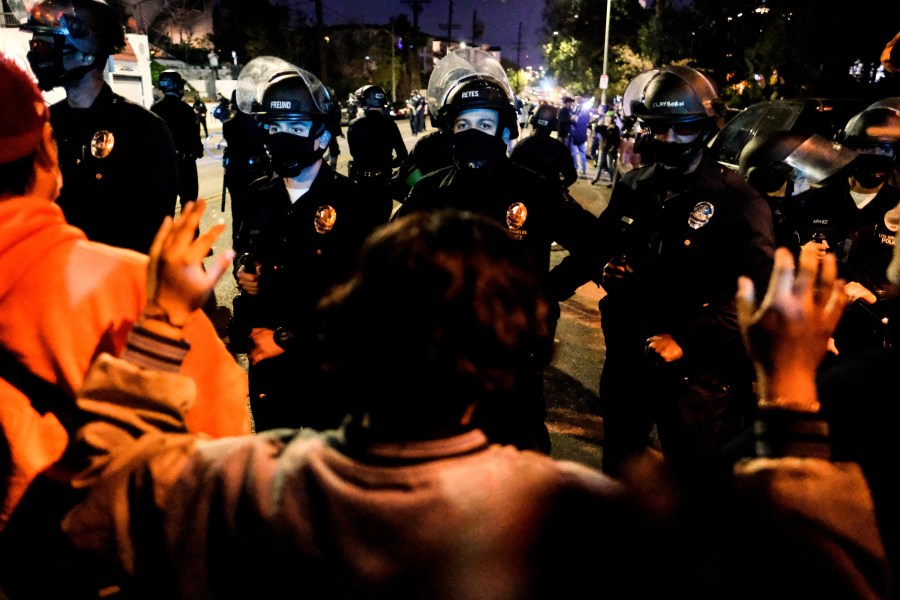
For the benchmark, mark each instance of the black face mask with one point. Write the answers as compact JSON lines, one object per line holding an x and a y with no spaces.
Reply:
{"x":473,"y":149}
{"x":46,"y":61}
{"x":677,"y":157}
{"x":291,"y":153}
{"x":870,"y":171}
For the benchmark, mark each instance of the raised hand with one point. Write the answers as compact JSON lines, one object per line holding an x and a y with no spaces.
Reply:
{"x":177,"y":283}
{"x":787,"y":334}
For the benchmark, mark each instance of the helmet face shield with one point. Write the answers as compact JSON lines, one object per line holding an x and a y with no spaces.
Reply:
{"x":51,"y":17}
{"x":817,"y":159}
{"x":481,"y":92}
{"x":291,"y":94}
{"x":91,"y":26}
{"x":875,"y":130}
{"x":294,"y":95}
{"x":461,"y":63}
{"x":62,"y":27}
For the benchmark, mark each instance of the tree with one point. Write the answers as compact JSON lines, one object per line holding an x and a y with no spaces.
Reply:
{"x":813,"y":50}
{"x":253,"y":29}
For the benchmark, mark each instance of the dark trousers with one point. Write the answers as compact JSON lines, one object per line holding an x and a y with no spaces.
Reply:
{"x":378,"y":190}
{"x":188,"y":184}
{"x":698,"y":408}
{"x":286,"y":391}
{"x":238,"y":177}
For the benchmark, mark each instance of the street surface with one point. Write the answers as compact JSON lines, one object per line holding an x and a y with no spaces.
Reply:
{"x":570,"y":382}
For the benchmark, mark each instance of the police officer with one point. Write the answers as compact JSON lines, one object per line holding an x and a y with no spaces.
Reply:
{"x":543,"y":153}
{"x":182,"y":122}
{"x":864,"y":204}
{"x":245,"y":159}
{"x":300,"y":233}
{"x":199,"y":107}
{"x":785,"y":167}
{"x":675,"y":237}
{"x":479,"y":119}
{"x":376,"y":146}
{"x":117,"y":158}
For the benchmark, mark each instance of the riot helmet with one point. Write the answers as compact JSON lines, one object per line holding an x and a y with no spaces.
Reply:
{"x":673,"y":94}
{"x":546,"y":118}
{"x":875,"y":134}
{"x":171,"y":82}
{"x":480,"y":91}
{"x":88,"y":26}
{"x":456,"y":65}
{"x":770,"y":161}
{"x":474,"y":102}
{"x":678,"y":98}
{"x":371,"y":96}
{"x":875,"y":130}
{"x":889,"y":102}
{"x":296,"y":95}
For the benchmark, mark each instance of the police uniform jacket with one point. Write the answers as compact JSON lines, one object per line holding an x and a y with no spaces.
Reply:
{"x":374,"y":140}
{"x":304,"y":247}
{"x":122,"y":198}
{"x":245,"y":155}
{"x":431,"y":152}
{"x":867,"y":238}
{"x":687,"y":238}
{"x":864,"y":246}
{"x":534,"y":210}
{"x":548,"y":156}
{"x":183,"y":125}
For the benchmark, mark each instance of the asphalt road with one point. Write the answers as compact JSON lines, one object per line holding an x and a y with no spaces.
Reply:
{"x":570,"y":382}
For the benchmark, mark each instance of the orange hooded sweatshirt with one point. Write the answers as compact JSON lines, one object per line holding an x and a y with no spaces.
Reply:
{"x":63,"y":301}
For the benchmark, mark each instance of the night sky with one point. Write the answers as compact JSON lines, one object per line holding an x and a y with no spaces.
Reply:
{"x":500,"y":17}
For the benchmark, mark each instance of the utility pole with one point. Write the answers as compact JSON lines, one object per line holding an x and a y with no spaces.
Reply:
{"x":475,"y":35}
{"x":449,"y":26}
{"x":518,"y":48}
{"x":320,"y":42}
{"x":416,"y":6}
{"x":604,"y":78}
{"x":393,"y":65}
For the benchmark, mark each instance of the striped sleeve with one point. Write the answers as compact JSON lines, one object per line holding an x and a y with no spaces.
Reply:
{"x":781,"y":432}
{"x":153,"y":351}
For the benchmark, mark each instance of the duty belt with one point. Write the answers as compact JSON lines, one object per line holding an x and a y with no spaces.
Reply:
{"x":369,"y":173}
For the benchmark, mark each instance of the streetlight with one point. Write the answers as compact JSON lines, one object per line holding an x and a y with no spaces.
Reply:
{"x":604,"y":78}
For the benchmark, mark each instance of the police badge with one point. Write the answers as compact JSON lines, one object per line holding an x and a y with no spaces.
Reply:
{"x":325,"y":218}
{"x":516,"y":215}
{"x":102,"y":143}
{"x":700,"y":216}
